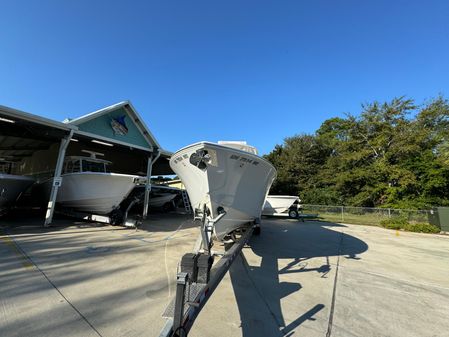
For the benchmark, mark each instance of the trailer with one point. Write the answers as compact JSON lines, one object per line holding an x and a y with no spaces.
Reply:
{"x":199,"y":277}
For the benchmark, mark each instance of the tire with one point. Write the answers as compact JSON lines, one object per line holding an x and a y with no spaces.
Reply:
{"x":293,"y":214}
{"x":117,"y":217}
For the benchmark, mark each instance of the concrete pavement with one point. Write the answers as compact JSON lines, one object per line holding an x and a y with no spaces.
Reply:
{"x":79,"y":279}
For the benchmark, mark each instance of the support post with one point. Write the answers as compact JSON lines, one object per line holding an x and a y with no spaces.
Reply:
{"x":146,"y":201}
{"x":342,"y":214}
{"x":206,"y":232}
{"x":147,"y":188}
{"x":57,"y":181}
{"x":207,"y":228}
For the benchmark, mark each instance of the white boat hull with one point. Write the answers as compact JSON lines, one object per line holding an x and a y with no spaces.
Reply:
{"x":11,"y":186}
{"x":161,"y":199}
{"x":275,"y":204}
{"x":231,"y":179}
{"x":93,"y":192}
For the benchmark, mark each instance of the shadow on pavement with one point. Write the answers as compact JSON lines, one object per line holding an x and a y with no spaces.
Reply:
{"x":258,"y":289}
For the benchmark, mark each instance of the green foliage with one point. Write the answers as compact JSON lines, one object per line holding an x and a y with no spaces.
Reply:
{"x":402,"y":223}
{"x":394,"y":223}
{"x":392,"y":154}
{"x":422,"y":228}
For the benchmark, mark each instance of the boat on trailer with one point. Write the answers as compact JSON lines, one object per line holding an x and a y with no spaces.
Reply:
{"x":88,"y":186}
{"x":161,"y":197}
{"x":227,"y":183}
{"x":288,"y":205}
{"x":11,"y":186}
{"x":161,"y":200}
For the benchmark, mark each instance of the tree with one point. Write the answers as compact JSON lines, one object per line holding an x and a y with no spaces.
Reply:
{"x":392,"y":154}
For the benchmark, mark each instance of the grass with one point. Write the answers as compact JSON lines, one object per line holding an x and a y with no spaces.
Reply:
{"x":396,"y":222}
{"x":357,"y":219}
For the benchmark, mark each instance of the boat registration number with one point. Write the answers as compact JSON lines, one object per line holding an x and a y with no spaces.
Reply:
{"x":244,"y":159}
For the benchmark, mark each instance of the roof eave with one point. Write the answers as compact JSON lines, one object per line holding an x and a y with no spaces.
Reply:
{"x":18,"y":114}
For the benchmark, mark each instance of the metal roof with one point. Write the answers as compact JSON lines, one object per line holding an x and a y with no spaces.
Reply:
{"x":22,"y":133}
{"x":16,"y":115}
{"x":14,"y":148}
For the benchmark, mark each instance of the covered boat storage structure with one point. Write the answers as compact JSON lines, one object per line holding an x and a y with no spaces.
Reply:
{"x":38,"y":145}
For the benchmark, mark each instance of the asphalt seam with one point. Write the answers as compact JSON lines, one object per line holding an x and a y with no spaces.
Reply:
{"x":19,"y":248}
{"x":334,"y":291}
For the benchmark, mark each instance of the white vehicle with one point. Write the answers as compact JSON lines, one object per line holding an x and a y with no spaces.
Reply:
{"x":227,"y":181}
{"x":87,"y":186}
{"x":282,"y":205}
{"x":11,"y":187}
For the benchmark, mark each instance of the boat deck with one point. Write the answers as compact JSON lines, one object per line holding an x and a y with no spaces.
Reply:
{"x":301,"y":278}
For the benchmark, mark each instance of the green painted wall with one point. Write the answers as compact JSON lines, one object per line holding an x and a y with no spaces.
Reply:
{"x":102,"y":126}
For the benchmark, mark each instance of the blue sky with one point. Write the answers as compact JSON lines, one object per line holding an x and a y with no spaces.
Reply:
{"x":221,"y":70}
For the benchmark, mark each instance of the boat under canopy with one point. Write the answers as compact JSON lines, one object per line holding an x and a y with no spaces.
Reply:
{"x":88,"y":186}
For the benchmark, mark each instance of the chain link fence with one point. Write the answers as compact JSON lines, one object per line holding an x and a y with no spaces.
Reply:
{"x":364,"y":215}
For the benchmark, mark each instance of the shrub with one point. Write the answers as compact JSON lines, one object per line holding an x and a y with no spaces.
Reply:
{"x":422,"y":228}
{"x":394,"y":223}
{"x":402,"y":223}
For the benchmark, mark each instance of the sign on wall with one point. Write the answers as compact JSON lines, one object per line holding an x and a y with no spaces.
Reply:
{"x":118,"y":124}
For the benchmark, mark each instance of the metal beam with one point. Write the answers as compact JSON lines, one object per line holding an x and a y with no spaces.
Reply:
{"x":24,"y":148}
{"x":57,"y":181}
{"x":26,"y":154}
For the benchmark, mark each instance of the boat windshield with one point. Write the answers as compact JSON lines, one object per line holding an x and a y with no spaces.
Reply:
{"x":93,"y":166}
{"x":76,"y":165}
{"x":239,"y":146}
{"x":72,"y":166}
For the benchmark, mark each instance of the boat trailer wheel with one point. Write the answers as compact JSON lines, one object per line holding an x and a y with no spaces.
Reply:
{"x":293,"y":214}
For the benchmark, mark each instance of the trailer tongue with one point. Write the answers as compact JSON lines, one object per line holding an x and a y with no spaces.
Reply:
{"x":198,"y":278}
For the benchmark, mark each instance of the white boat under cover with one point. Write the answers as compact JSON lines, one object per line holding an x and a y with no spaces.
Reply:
{"x":88,"y":187}
{"x":94,"y":192}
{"x":161,"y":199}
{"x":275,"y":204}
{"x":223,"y":177}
